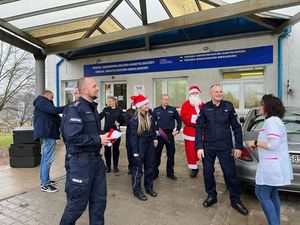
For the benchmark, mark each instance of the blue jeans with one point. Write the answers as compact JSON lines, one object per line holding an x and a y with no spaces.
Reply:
{"x":270,"y":202}
{"x":48,"y":147}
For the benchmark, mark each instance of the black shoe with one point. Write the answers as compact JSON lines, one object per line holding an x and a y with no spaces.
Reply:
{"x":151,"y":192}
{"x":49,"y":189}
{"x":194,"y":172}
{"x":209,"y":201}
{"x":129,"y":171}
{"x":240,"y":208}
{"x":116,"y":169}
{"x":172,"y":177}
{"x":141,"y":196}
{"x":52,"y":183}
{"x":108,"y":170}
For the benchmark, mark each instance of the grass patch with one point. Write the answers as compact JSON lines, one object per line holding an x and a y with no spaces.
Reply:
{"x":5,"y":140}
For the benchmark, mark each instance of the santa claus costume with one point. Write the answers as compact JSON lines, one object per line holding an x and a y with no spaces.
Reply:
{"x":189,"y":113}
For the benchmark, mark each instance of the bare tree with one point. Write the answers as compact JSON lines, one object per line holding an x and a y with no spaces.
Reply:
{"x":19,"y":110}
{"x":16,"y":73}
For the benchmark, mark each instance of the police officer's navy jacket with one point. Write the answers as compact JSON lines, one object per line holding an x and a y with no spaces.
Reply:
{"x":165,"y":119}
{"x":46,"y":118}
{"x":145,"y":136}
{"x":213,"y":129}
{"x":127,"y":117}
{"x":80,"y":127}
{"x":111,"y":115}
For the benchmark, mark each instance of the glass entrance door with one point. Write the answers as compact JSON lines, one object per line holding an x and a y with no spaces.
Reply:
{"x":117,"y":90}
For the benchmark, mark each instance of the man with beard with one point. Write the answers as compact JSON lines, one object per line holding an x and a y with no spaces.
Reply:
{"x":86,"y":177}
{"x":190,"y":110}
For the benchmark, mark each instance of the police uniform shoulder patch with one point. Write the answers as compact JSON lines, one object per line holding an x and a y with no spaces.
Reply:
{"x":76,"y":104}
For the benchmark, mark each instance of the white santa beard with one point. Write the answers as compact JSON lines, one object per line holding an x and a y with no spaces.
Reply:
{"x":195,"y":100}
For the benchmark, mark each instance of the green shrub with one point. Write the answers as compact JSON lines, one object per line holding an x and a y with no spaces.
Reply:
{"x":5,"y":140}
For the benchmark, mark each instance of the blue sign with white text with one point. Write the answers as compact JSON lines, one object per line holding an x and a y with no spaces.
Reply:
{"x":235,"y":57}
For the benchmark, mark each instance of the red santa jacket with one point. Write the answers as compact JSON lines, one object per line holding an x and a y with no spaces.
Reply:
{"x":189,"y":115}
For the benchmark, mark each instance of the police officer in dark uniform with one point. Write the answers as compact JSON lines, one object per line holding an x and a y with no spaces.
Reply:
{"x":165,"y":117}
{"x":127,"y":117}
{"x":113,"y":119}
{"x":214,"y":139}
{"x":143,"y":141}
{"x":86,"y":178}
{"x":68,"y":155}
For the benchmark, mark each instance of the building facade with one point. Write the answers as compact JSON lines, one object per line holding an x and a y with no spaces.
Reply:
{"x":247,"y":67}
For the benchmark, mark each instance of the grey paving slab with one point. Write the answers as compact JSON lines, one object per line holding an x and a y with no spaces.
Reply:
{"x":178,"y":202}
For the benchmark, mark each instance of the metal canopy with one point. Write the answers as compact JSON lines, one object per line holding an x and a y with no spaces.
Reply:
{"x":83,"y":28}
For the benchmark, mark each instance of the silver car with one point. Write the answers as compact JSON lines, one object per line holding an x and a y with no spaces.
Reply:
{"x":246,"y":165}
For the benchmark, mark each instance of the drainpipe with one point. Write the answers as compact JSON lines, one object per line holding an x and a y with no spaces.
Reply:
{"x":57,"y":80}
{"x":280,"y":41}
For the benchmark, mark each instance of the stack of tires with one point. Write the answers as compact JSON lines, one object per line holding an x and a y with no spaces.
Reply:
{"x":24,"y":152}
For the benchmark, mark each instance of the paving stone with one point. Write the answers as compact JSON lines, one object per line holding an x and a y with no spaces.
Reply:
{"x":178,"y":202}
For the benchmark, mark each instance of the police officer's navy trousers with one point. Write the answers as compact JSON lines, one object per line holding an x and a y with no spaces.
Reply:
{"x":146,"y":158}
{"x":129,"y":152}
{"x":227,"y":163}
{"x":85,"y":183}
{"x":115,"y":152}
{"x":170,"y":149}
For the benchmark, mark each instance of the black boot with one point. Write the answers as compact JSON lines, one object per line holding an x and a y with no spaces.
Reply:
{"x":129,"y":171}
{"x":116,"y":169}
{"x":194,"y":172}
{"x":108,"y":169}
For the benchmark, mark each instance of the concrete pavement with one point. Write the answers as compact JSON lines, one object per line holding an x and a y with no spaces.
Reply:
{"x":178,"y":202}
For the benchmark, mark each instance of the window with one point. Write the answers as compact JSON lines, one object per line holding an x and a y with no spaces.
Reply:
{"x":69,"y":91}
{"x":117,"y":90}
{"x":232,"y":93}
{"x":176,"y":88}
{"x":244,"y":87}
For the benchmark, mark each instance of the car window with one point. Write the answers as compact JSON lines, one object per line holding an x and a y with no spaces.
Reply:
{"x":258,"y":124}
{"x":292,"y":123}
{"x":255,"y":123}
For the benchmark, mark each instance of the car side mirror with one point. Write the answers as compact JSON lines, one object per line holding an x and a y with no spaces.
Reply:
{"x":242,"y":119}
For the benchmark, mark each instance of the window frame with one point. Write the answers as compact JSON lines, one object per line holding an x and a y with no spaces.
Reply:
{"x":165,"y":87}
{"x":68,"y":89}
{"x":242,"y":83}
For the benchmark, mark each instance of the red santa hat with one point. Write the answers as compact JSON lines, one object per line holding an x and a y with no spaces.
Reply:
{"x":131,"y":99}
{"x":140,"y":100}
{"x":194,"y":89}
{"x":113,"y":134}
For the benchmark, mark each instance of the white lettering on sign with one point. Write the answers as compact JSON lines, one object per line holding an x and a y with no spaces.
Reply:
{"x":139,"y":89}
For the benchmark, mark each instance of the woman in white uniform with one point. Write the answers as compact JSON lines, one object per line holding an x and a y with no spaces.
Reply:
{"x":274,"y":168}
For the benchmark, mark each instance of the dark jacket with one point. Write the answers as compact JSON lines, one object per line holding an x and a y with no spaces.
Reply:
{"x":111,"y":115}
{"x":127,"y":117}
{"x":80,"y":127}
{"x":165,"y":119}
{"x":215,"y":125}
{"x":145,"y":136}
{"x":46,"y":119}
